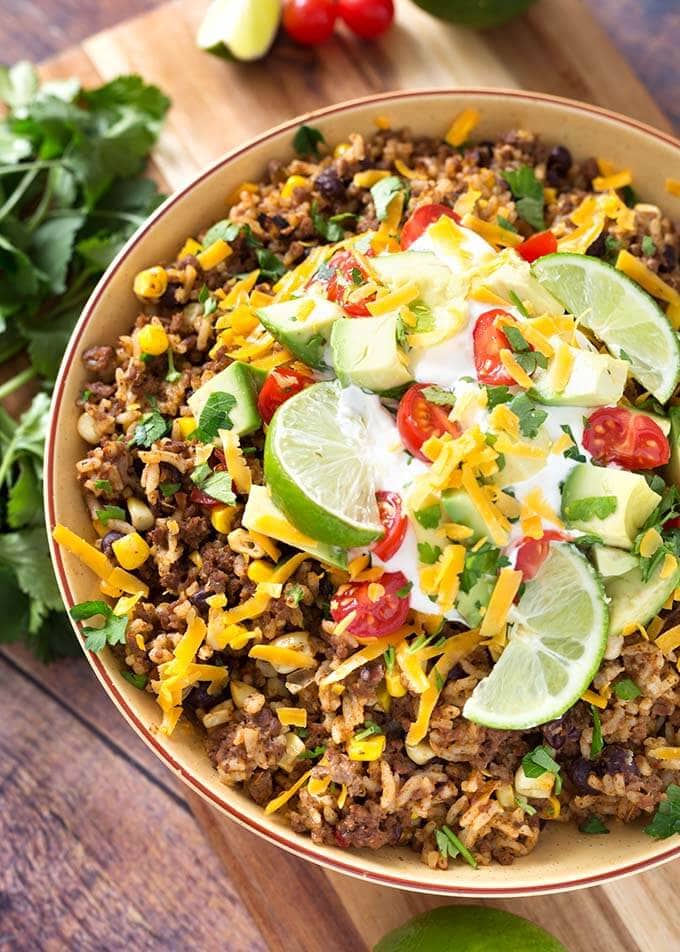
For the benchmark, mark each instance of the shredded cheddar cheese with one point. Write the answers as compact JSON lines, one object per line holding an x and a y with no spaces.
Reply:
{"x":504,"y":592}
{"x":461,"y":127}
{"x":284,"y":797}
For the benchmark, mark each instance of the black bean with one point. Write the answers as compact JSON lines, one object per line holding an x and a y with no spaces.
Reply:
{"x":199,"y":601}
{"x":168,"y":298}
{"x":279,"y":221}
{"x":615,"y":759}
{"x":108,"y":541}
{"x":669,"y":259}
{"x":578,"y":772}
{"x":563,"y":730}
{"x":199,"y":697}
{"x":558,"y":164}
{"x":329,"y":184}
{"x":483,"y":154}
{"x":598,"y":248}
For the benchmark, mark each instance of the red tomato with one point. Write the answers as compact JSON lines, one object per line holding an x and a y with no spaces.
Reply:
{"x":394,"y":523}
{"x":367,"y":18}
{"x":673,"y":523}
{"x":203,"y":499}
{"x":544,"y":243}
{"x":309,"y":21}
{"x":418,"y":419}
{"x":532,"y":553}
{"x":421,"y":219}
{"x":488,"y":341}
{"x":632,"y":440}
{"x":279,"y":385}
{"x":372,"y":619}
{"x":347,"y":276}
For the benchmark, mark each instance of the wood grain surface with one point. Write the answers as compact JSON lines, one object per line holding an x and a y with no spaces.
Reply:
{"x":99,"y":847}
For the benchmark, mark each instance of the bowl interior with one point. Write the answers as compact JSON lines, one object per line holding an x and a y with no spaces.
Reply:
{"x":564,"y":858}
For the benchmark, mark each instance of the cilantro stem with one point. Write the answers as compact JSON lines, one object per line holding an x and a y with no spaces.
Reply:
{"x":43,"y":205}
{"x":9,"y":386}
{"x":18,"y":193}
{"x":135,"y":220}
{"x":26,"y":166}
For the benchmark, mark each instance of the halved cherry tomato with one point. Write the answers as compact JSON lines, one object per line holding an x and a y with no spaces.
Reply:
{"x":348,"y":275}
{"x":394,"y":523}
{"x":631,"y":440}
{"x":488,"y":341}
{"x":421,"y":219}
{"x":544,"y":243}
{"x":418,"y":419}
{"x":367,"y":18}
{"x":309,"y":21}
{"x":373,"y":618}
{"x":532,"y":553}
{"x":279,"y":385}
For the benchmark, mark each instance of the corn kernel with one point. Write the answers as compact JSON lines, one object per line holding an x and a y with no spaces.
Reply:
{"x":259,"y":570}
{"x":222,"y":518}
{"x":190,"y":247}
{"x":196,"y":558}
{"x":214,"y":255}
{"x":131,"y":551}
{"x":185,"y":426}
{"x":340,"y":149}
{"x":153,"y":340}
{"x":370,"y":748}
{"x":235,"y":196}
{"x":292,"y":716}
{"x":151,"y":284}
{"x":293,"y":182}
{"x":382,"y":122}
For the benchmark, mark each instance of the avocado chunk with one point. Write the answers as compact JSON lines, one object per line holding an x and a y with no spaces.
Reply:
{"x":303,"y":326}
{"x":243,"y":383}
{"x":628,"y":497}
{"x":460,"y":508}
{"x":611,"y":562}
{"x":596,"y":380}
{"x":509,"y":275}
{"x":365,"y":353}
{"x":471,"y":604}
{"x":673,"y":468}
{"x":634,"y":601}
{"x":422,"y":267}
{"x":261,"y":514}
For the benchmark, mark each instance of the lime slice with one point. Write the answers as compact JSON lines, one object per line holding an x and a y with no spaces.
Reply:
{"x":239,"y":29}
{"x":556,"y":639}
{"x":317,"y":464}
{"x":478,"y":14}
{"x":620,"y":313}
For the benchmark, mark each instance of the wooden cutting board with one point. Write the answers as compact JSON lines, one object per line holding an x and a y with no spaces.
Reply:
{"x":556,"y":48}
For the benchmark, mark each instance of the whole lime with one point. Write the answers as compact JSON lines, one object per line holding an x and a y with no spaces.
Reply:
{"x":478,"y":14}
{"x":468,"y":929}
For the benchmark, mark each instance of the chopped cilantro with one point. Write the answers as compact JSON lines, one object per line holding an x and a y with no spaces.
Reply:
{"x":572,"y":451}
{"x":86,"y":394}
{"x":355,"y":274}
{"x":449,"y":845}
{"x":215,"y":416}
{"x":109,"y":512}
{"x":630,"y":196}
{"x":516,"y":339}
{"x":112,"y":632}
{"x":596,"y":744}
{"x":329,"y":228}
{"x":370,"y":728}
{"x":430,"y":517}
{"x":517,"y":301}
{"x":529,"y":415}
{"x":648,"y":245}
{"x":169,"y":489}
{"x":504,"y":223}
{"x":150,"y":428}
{"x":136,"y":680}
{"x":485,"y":561}
{"x":524,"y":804}
{"x":428,"y":553}
{"x":626,"y":689}
{"x":271,"y":267}
{"x":224,"y":229}
{"x":590,"y":507}
{"x":528,"y":194}
{"x":593,"y":825}
{"x":306,"y":141}
{"x":539,"y":761}
{"x":313,"y":753}
{"x":294,"y":594}
{"x":173,"y":375}
{"x":390,"y":656}
{"x":215,"y":485}
{"x":424,"y":317}
{"x":497,"y":395}
{"x":384,"y":191}
{"x":104,"y":485}
{"x":405,"y":590}
{"x":438,"y":395}
{"x":666,"y":820}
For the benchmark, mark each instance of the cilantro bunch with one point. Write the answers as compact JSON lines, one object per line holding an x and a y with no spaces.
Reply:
{"x":71,"y":194}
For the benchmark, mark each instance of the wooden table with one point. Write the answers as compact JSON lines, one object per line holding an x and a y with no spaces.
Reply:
{"x":99,"y":847}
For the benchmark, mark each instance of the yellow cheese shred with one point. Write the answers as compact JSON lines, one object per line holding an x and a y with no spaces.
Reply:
{"x":411,"y":666}
{"x":284,"y":797}
{"x":284,"y":656}
{"x":518,"y":374}
{"x":673,"y":186}
{"x":646,"y":278}
{"x":364,"y":655}
{"x":595,"y":699}
{"x":669,"y":640}
{"x":496,"y":615}
{"x":292,"y":716}
{"x":461,"y":127}
{"x":664,"y":753}
{"x":394,"y":300}
{"x":237,"y":467}
{"x":603,"y":183}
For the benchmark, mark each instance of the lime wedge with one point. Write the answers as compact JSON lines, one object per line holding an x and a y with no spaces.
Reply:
{"x":239,"y":29}
{"x":317,"y":464}
{"x":620,"y":313}
{"x":556,"y":639}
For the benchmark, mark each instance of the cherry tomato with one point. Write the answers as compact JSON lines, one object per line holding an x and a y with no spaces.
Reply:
{"x":532,"y":553}
{"x":488,"y":341}
{"x":544,"y":243}
{"x":632,"y":440}
{"x":394,"y":523}
{"x":367,"y":18}
{"x":309,"y":21}
{"x":421,"y":219}
{"x":347,"y":276}
{"x":279,"y":385}
{"x":418,"y":419}
{"x":203,"y":499}
{"x":373,"y":618}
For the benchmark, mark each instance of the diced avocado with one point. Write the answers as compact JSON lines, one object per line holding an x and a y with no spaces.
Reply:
{"x":633,"y":601}
{"x":596,"y":380}
{"x":262,"y":515}
{"x":509,"y":275}
{"x":516,"y":468}
{"x":422,"y":267}
{"x":241,"y":382}
{"x":611,"y":562}
{"x":302,"y":325}
{"x":673,"y":468}
{"x":365,"y":353}
{"x":460,"y":508}
{"x":634,"y":502}
{"x":470,"y":604}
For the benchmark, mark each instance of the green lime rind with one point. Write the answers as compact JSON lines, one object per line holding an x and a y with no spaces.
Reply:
{"x":468,"y":929}
{"x":556,"y":641}
{"x":476,"y":14}
{"x":239,"y":29}
{"x":618,"y":311}
{"x":317,"y":466}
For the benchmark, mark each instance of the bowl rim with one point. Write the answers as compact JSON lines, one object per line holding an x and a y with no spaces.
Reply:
{"x":270,"y":833}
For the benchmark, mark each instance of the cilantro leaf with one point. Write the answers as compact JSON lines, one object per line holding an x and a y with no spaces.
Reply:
{"x":405,"y":590}
{"x":596,"y":744}
{"x":666,"y":820}
{"x":109,"y":512}
{"x":648,"y":246}
{"x":593,"y":825}
{"x":312,"y":754}
{"x":384,"y":191}
{"x":626,"y":689}
{"x":529,"y":416}
{"x":590,"y":507}
{"x":516,"y":339}
{"x":528,"y":194}
{"x":429,"y":517}
{"x":367,"y":731}
{"x":427,"y":553}
{"x":449,"y":845}
{"x":169,"y":489}
{"x":438,"y":395}
{"x":497,"y":395}
{"x":270,"y":265}
{"x":136,"y":680}
{"x":572,"y":451}
{"x":485,"y":561}
{"x":330,"y":229}
{"x":226,"y":230}
{"x":111,"y":632}
{"x":539,"y":761}
{"x":215,"y":416}
{"x":152,"y":427}
{"x":306,"y":141}
{"x":173,"y":375}
{"x":504,"y":223}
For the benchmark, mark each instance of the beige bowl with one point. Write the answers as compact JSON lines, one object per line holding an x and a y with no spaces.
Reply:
{"x":565,"y":859}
